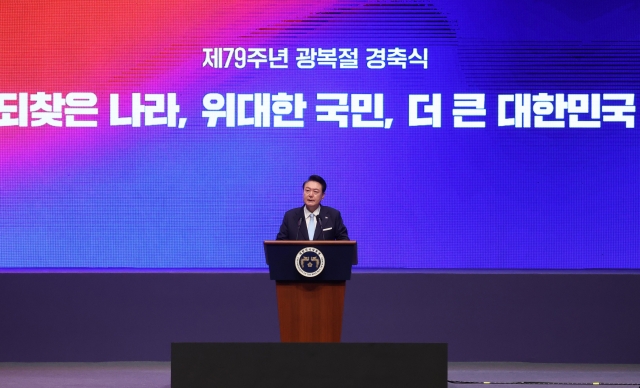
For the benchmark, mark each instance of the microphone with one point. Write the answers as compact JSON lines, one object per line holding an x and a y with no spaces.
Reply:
{"x":321,"y":228}
{"x":298,"y":231}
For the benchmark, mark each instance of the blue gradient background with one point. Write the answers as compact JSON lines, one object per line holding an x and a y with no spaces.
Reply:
{"x":413,"y":197}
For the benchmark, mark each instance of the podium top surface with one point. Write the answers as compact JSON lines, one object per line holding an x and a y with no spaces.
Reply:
{"x":309,"y":242}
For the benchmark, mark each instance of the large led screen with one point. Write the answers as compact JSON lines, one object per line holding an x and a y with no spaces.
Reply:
{"x":452,"y":134}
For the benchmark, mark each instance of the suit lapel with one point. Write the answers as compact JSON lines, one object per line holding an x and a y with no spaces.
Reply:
{"x":303,"y":225}
{"x":318,"y":231}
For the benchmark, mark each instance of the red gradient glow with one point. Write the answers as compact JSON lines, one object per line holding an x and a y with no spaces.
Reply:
{"x":109,"y":47}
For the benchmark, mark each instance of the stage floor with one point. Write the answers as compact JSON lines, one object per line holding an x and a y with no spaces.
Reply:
{"x":158,"y":374}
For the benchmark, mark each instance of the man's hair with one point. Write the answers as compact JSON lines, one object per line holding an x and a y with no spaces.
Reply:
{"x":317,"y":178}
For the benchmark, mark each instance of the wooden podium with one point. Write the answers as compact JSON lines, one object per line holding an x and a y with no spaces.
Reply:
{"x":310,"y":285}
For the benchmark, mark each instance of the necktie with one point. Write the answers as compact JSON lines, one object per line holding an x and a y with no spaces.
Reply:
{"x":311,"y":228}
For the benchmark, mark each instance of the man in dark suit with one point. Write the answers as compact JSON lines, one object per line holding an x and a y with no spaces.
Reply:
{"x":320,"y":222}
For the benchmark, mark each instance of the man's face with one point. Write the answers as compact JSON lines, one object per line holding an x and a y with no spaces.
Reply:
{"x":312,"y":195}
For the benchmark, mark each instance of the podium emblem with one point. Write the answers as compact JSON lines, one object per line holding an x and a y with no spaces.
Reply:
{"x":309,"y":262}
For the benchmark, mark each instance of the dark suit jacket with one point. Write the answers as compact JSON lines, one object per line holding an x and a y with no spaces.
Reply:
{"x":329,"y":225}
